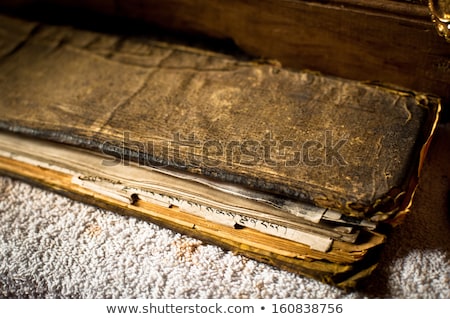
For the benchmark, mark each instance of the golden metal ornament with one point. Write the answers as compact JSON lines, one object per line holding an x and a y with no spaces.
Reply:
{"x":440,"y":14}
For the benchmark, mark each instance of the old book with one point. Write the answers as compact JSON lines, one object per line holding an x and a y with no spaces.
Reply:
{"x":293,"y":168}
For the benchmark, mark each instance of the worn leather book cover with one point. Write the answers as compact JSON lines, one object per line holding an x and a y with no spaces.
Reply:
{"x":392,"y":41}
{"x":289,"y":167}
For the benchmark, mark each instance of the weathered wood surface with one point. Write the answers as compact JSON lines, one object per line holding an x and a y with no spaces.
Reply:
{"x":389,"y":41}
{"x":334,"y":142}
